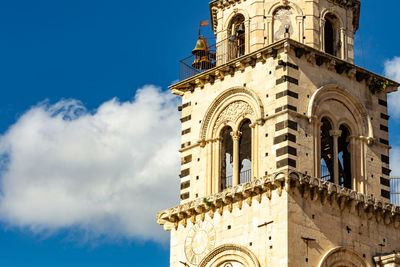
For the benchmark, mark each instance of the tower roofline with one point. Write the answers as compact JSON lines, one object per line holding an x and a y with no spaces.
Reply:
{"x":355,"y":5}
{"x":262,"y":54}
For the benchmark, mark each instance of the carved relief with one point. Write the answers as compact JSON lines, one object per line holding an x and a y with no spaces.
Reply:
{"x":282,"y":19}
{"x":233,"y":112}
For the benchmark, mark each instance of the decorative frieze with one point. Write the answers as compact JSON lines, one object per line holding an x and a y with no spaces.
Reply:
{"x":308,"y":187}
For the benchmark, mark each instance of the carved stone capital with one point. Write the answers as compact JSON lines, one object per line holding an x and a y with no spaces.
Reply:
{"x":335,"y":133}
{"x":236,"y":135}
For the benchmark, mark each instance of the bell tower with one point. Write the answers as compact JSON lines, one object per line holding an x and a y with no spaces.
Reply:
{"x":285,"y":151}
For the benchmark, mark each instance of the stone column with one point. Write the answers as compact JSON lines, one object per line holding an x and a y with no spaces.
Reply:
{"x":322,"y":34}
{"x":335,"y":135}
{"x":343,"y":40}
{"x":247,"y":41}
{"x":217,"y":166}
{"x":317,"y":147}
{"x":354,"y":157}
{"x":235,"y":176}
{"x":254,"y":151}
{"x":269,"y":29}
{"x":300,"y":27}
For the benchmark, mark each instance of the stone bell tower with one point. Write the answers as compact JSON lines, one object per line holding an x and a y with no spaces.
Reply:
{"x":285,"y":152}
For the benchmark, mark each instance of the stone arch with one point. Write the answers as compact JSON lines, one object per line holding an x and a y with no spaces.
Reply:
{"x":210,"y":122}
{"x":363,"y":125}
{"x":240,"y":11}
{"x":337,"y":33}
{"x":280,"y":14}
{"x":280,"y":3}
{"x":230,"y":253}
{"x":342,"y":257}
{"x":332,"y":11}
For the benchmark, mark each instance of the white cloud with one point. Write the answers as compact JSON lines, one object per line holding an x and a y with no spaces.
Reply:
{"x":105,"y":173}
{"x":392,"y":71}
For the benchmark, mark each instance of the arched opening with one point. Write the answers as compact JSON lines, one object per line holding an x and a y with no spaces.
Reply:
{"x":331,"y":35}
{"x":236,"y":37}
{"x":226,"y":169}
{"x":344,"y":157}
{"x":327,"y":156}
{"x":283,"y":26}
{"x":245,"y":153}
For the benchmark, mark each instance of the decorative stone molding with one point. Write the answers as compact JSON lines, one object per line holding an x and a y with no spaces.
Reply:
{"x":244,"y":93}
{"x":260,"y":56}
{"x":388,"y":260}
{"x":233,"y":112}
{"x":308,"y":187}
{"x":338,"y":257}
{"x":236,"y":253}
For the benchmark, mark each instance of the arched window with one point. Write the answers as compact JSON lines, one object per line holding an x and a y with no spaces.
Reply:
{"x":331,"y":35}
{"x":344,"y":158}
{"x":236,"y":37}
{"x":226,"y":158}
{"x":327,"y":157}
{"x":245,"y":153}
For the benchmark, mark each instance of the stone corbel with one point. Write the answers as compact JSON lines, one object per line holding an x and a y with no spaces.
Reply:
{"x":331,"y":64}
{"x":258,"y":194}
{"x":351,"y":73}
{"x":211,"y":213}
{"x":200,"y":83}
{"x":323,"y":196}
{"x":210,"y":78}
{"x":314,"y":193}
{"x":369,"y":211}
{"x":286,"y":47}
{"x":220,"y":74}
{"x":262,"y":57}
{"x":310,"y":57}
{"x":240,"y":65}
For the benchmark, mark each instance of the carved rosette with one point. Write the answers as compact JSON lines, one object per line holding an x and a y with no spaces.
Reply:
{"x":233,"y":112}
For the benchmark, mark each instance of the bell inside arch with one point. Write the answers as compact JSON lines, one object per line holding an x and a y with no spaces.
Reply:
{"x":240,"y":29}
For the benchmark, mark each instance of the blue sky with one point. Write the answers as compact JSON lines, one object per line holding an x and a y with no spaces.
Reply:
{"x":69,"y":59}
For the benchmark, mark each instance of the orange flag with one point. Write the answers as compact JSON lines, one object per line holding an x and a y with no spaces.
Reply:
{"x":204,"y":23}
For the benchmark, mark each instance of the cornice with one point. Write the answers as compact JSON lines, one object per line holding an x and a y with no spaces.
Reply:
{"x":354,"y":5}
{"x":313,"y":189}
{"x":260,"y":56}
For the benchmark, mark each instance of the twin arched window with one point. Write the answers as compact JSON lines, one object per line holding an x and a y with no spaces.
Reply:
{"x":335,"y":154}
{"x":235,"y":167}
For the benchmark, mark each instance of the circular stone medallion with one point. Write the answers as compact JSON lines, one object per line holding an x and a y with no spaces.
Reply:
{"x":200,"y":240}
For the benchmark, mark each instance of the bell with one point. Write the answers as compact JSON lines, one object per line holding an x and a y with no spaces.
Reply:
{"x":240,"y":29}
{"x":201,"y":47}
{"x":202,"y":63}
{"x":196,"y":63}
{"x":205,"y":63}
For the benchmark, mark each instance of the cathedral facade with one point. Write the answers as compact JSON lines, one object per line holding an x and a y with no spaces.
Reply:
{"x":285,"y":151}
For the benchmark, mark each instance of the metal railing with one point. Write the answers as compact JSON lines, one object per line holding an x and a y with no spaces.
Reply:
{"x":217,"y":54}
{"x":325,"y":174}
{"x":395,"y":191}
{"x":245,"y":176}
{"x":229,"y":181}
